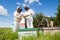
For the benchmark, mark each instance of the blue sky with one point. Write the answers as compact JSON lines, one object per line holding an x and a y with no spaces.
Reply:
{"x":7,"y":8}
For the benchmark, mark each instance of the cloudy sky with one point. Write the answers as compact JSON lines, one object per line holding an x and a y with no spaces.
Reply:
{"x":7,"y":8}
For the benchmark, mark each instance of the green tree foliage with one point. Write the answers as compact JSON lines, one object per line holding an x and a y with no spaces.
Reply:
{"x":37,"y":19}
{"x":58,"y":14}
{"x":56,"y":19}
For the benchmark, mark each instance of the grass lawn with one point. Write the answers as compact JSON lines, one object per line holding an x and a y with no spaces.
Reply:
{"x":7,"y":34}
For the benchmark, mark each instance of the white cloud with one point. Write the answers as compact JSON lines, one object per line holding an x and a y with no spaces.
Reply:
{"x":26,"y":1}
{"x":32,"y":1}
{"x":46,"y":15}
{"x":40,"y":3}
{"x":5,"y":24}
{"x":18,"y":3}
{"x":3,"y":11}
{"x":25,"y":5}
{"x":0,"y":22}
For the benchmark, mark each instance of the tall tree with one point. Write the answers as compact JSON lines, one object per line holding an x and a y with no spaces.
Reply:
{"x":57,"y":21}
{"x":58,"y":13}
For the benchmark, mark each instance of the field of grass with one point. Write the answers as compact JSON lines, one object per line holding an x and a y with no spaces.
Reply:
{"x":7,"y":34}
{"x":47,"y":36}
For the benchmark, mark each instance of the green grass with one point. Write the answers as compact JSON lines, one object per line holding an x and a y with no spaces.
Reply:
{"x":7,"y":34}
{"x":47,"y":36}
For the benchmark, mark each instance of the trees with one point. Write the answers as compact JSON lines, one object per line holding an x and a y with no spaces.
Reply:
{"x":37,"y":19}
{"x":58,"y":14}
